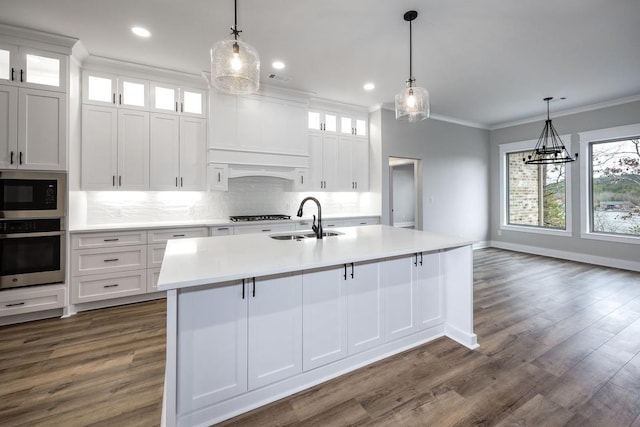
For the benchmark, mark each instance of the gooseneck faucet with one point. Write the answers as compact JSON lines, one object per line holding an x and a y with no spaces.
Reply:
{"x":316,"y":228}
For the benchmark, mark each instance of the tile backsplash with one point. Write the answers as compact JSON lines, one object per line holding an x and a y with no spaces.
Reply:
{"x":246,"y":196}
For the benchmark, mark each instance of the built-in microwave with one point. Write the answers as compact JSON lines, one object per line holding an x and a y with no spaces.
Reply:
{"x":32,"y":194}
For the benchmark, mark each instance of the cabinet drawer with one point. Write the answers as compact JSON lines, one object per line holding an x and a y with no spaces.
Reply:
{"x":105,"y":286}
{"x":221,"y":231}
{"x":152,"y":279}
{"x":20,"y":301}
{"x":161,"y":236}
{"x":105,"y":240}
{"x":362,"y":221}
{"x":106,"y":260}
{"x":263,"y":228}
{"x":155,"y":253}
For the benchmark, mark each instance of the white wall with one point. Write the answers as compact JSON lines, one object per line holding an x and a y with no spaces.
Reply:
{"x":404,"y":203}
{"x":571,"y":247}
{"x":454,"y":174}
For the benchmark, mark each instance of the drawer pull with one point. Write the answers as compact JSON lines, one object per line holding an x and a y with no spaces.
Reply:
{"x":266,"y":230}
{"x":178,"y":235}
{"x":112,"y":260}
{"x":15,"y":304}
{"x":223,"y":228}
{"x":111,"y":240}
{"x":115,"y":285}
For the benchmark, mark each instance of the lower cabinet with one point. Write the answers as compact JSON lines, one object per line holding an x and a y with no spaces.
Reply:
{"x":237,"y":337}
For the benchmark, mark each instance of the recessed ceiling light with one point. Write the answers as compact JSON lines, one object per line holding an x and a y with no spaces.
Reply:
{"x":141,"y":32}
{"x":278,"y":65}
{"x":369,"y":86}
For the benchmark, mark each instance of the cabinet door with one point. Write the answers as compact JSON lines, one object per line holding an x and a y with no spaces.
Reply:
{"x":193,"y":151}
{"x":164,"y":98}
{"x":224,"y":120}
{"x":360,"y":163}
{"x":218,"y":177}
{"x":42,"y":70}
{"x":42,"y":130}
{"x":164,"y":152}
{"x":99,"y":88}
{"x":345,"y":160}
{"x":8,"y":58}
{"x":400,"y":297}
{"x":212,"y":345}
{"x":365,"y":307}
{"x":430,"y":307}
{"x":324,"y":317}
{"x":8,"y":127}
{"x":330,"y":162}
{"x":133,"y":150}
{"x":133,"y":93}
{"x":99,"y":148}
{"x":275,"y":328}
{"x":316,"y":178}
{"x":193,"y":102}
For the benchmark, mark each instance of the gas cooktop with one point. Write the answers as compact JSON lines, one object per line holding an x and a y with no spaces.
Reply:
{"x":271,"y":217}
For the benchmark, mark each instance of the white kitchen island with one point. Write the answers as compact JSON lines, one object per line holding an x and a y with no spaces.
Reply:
{"x":251,"y":319}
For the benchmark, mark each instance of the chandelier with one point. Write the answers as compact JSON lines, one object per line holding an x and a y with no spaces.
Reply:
{"x":549,"y":148}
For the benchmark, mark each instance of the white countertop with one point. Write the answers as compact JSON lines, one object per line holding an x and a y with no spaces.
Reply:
{"x":88,"y":228}
{"x":204,"y":260}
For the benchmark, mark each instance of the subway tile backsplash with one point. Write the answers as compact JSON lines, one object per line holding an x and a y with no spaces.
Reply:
{"x":246,"y":196}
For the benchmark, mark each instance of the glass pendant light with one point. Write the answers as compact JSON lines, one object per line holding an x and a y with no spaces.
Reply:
{"x":412,"y":103}
{"x":549,"y":149}
{"x":235,"y":65}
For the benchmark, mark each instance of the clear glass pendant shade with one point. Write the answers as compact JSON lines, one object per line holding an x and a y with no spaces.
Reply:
{"x":235,"y":67}
{"x":412,"y":104}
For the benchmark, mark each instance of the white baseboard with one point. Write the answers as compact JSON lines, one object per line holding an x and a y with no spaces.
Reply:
{"x":571,"y":256}
{"x":481,"y":245}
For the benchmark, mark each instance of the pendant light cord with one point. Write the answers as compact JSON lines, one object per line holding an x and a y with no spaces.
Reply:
{"x":234,"y":29}
{"x":410,"y":54}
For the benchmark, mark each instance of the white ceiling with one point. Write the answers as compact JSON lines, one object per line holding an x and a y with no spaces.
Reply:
{"x":482,"y":61}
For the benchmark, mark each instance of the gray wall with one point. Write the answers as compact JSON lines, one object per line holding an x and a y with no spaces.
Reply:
{"x":454,"y":173}
{"x":619,"y":115}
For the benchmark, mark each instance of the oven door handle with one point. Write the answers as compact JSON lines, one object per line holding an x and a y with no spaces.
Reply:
{"x":26,"y":235}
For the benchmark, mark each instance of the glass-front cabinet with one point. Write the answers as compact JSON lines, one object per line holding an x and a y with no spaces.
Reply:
{"x":28,"y":67}
{"x":117,"y":91}
{"x":166,"y":98}
{"x":353,"y":126}
{"x":319,"y":120}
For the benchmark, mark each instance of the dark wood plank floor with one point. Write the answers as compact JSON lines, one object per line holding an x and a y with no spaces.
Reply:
{"x":559,"y":346}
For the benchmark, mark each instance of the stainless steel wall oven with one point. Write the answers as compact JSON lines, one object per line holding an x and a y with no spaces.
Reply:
{"x":32,"y":228}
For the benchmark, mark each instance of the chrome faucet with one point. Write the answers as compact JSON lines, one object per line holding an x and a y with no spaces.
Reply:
{"x":316,"y":228}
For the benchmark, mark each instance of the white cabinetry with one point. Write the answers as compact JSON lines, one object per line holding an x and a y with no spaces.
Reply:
{"x":106,"y":89}
{"x":354,"y":163}
{"x":34,"y":68}
{"x":34,"y":129}
{"x":177,"y":152}
{"x":351,"y":125}
{"x":413,"y":294}
{"x":170,"y":98}
{"x":30,"y":299}
{"x":262,"y":228}
{"x":324,"y":157}
{"x":365,"y":306}
{"x":115,"y":149}
{"x":260,"y":323}
{"x":324,"y":322}
{"x":106,"y":265}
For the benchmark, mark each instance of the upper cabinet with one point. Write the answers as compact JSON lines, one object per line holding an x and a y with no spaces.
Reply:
{"x":112,"y":90}
{"x":322,"y":121}
{"x":33,"y":68}
{"x":167,"y":98}
{"x":350,"y":125}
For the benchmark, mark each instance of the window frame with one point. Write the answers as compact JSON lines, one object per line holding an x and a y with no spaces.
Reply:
{"x":586,"y":218}
{"x":514,"y":147}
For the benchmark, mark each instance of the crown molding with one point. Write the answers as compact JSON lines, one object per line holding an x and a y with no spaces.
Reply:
{"x":562,"y":113}
{"x":391,"y":107}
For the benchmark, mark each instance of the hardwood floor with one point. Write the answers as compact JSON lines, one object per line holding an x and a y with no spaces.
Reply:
{"x":559,"y":346}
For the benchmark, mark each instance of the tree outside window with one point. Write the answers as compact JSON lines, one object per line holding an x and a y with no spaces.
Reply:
{"x":536,"y":194}
{"x":615,"y":187}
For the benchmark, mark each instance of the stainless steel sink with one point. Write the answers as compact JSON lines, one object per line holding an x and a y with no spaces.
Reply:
{"x":300,"y":236}
{"x":288,"y":236}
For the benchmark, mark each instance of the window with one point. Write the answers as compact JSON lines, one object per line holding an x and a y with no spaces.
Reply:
{"x":536,"y":193}
{"x":534,"y":197}
{"x":615,"y":186}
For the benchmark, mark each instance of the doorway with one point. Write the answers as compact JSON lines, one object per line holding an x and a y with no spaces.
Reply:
{"x":404,"y":193}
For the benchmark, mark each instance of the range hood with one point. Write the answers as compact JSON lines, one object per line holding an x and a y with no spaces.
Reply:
{"x":243,"y":163}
